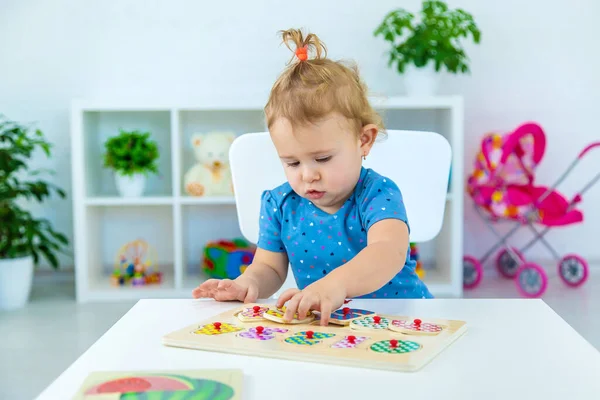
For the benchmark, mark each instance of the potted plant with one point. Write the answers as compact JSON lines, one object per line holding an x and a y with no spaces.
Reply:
{"x":24,"y":239}
{"x":424,"y":47}
{"x":132,"y":155}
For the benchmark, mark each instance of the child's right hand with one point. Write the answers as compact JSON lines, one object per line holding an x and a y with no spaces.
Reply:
{"x":245,"y":290}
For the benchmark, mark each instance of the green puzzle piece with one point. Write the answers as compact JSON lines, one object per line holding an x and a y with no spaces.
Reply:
{"x":403,"y":346}
{"x":301,"y":339}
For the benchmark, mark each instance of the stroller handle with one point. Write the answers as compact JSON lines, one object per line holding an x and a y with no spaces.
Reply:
{"x":588,"y":148}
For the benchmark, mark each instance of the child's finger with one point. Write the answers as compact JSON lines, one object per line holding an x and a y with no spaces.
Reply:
{"x":201,"y":293}
{"x":292,"y":307}
{"x":326,"y":309}
{"x":207,"y":287}
{"x":204,"y":286}
{"x":225,"y":295}
{"x":305,"y":305}
{"x":210,"y":284}
{"x":225,"y":284}
{"x":285,"y":296}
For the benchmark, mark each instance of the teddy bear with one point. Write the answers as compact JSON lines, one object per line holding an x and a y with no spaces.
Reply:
{"x":211,"y":175}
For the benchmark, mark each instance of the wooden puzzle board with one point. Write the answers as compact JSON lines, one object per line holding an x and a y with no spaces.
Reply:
{"x":333,"y":344}
{"x":224,"y":384}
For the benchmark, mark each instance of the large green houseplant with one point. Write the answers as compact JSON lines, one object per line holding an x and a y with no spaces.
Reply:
{"x":132,"y":155}
{"x":24,"y":239}
{"x":430,"y":43}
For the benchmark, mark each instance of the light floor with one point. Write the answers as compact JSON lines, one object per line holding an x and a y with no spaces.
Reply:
{"x":40,"y":341}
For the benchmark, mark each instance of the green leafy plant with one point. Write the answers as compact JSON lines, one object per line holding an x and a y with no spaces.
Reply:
{"x":131,"y":152}
{"x":434,"y":38}
{"x":21,"y":234}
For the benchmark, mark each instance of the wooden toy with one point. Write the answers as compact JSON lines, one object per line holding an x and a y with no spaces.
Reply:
{"x":276,"y":315}
{"x":254,"y":313}
{"x":355,"y":337}
{"x":224,"y":384}
{"x":346,"y":315}
{"x":132,"y":265}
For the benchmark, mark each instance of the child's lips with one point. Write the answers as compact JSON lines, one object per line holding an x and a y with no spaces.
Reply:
{"x":314,"y":194}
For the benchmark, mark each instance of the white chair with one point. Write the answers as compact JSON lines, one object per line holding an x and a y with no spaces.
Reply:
{"x":418,"y":161}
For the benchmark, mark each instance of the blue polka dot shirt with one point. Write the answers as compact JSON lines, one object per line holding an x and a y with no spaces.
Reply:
{"x":317,"y":242}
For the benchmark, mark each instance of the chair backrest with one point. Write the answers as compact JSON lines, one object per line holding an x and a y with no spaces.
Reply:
{"x":418,"y":161}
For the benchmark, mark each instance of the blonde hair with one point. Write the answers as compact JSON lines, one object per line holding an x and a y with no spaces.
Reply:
{"x":312,"y":88}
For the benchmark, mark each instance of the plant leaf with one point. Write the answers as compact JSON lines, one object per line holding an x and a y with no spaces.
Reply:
{"x":20,"y":233}
{"x":435,"y":39}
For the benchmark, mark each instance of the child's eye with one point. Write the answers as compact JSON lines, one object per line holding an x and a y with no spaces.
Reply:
{"x":324,"y":159}
{"x":293,"y":164}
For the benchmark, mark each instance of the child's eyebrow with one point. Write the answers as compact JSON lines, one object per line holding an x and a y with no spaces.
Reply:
{"x":312,"y":153}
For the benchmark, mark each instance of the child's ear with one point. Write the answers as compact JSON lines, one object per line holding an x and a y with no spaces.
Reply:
{"x":196,"y":139}
{"x":368,"y":135}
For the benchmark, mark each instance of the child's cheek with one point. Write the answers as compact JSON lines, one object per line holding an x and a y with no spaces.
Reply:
{"x":295,"y":180}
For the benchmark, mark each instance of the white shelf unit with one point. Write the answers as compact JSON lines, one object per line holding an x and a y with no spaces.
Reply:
{"x":179,"y":226}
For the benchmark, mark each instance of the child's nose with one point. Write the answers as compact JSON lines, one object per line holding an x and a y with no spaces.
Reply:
{"x":310,"y":175}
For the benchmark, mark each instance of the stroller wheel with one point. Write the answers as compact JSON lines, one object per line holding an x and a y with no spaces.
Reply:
{"x":573,"y":270}
{"x":531,"y":280}
{"x":472,"y":272}
{"x":506,"y":264}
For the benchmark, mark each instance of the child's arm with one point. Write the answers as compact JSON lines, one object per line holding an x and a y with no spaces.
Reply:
{"x":267,"y":273}
{"x":261,"y":279}
{"x":374,"y":266}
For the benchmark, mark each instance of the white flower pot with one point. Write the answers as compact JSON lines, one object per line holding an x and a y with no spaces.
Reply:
{"x":130,"y":186}
{"x":16,"y":275}
{"x":421,"y":81}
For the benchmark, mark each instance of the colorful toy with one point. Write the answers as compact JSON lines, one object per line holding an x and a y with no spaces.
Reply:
{"x":368,"y":340}
{"x":211,"y":175}
{"x":502,"y":188}
{"x":132,"y":263}
{"x":227,"y":258}
{"x":415,"y":256}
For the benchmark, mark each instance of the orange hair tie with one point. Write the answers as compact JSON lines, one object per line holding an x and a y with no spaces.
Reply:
{"x":302,"y":53}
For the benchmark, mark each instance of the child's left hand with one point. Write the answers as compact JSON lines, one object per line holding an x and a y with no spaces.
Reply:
{"x":322,"y":296}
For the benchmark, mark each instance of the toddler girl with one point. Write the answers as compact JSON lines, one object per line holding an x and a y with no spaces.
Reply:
{"x":342,"y":228}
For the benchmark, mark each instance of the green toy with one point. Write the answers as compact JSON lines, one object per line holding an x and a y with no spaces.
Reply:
{"x":227,"y":259}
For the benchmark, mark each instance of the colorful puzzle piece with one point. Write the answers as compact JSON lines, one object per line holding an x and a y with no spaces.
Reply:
{"x":276,"y":315}
{"x":301,"y":340}
{"x":415,"y":327}
{"x":345,"y":315}
{"x":315,"y":335}
{"x":394,"y":346}
{"x":349,"y":342}
{"x":308,"y":337}
{"x":370,"y":322}
{"x":252,"y":314}
{"x":217,"y":328}
{"x":261,"y":333}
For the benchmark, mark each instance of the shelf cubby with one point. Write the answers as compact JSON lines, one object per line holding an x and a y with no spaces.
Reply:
{"x":111,"y":228}
{"x":100,"y":126}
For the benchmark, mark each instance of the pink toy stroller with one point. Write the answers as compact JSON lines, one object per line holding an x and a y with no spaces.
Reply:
{"x":502,"y":188}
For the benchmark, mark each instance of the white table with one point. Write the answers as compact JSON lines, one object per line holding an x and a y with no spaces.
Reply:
{"x":513,"y":349}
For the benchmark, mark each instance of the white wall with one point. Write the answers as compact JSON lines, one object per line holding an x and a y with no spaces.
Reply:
{"x":538,"y":61}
